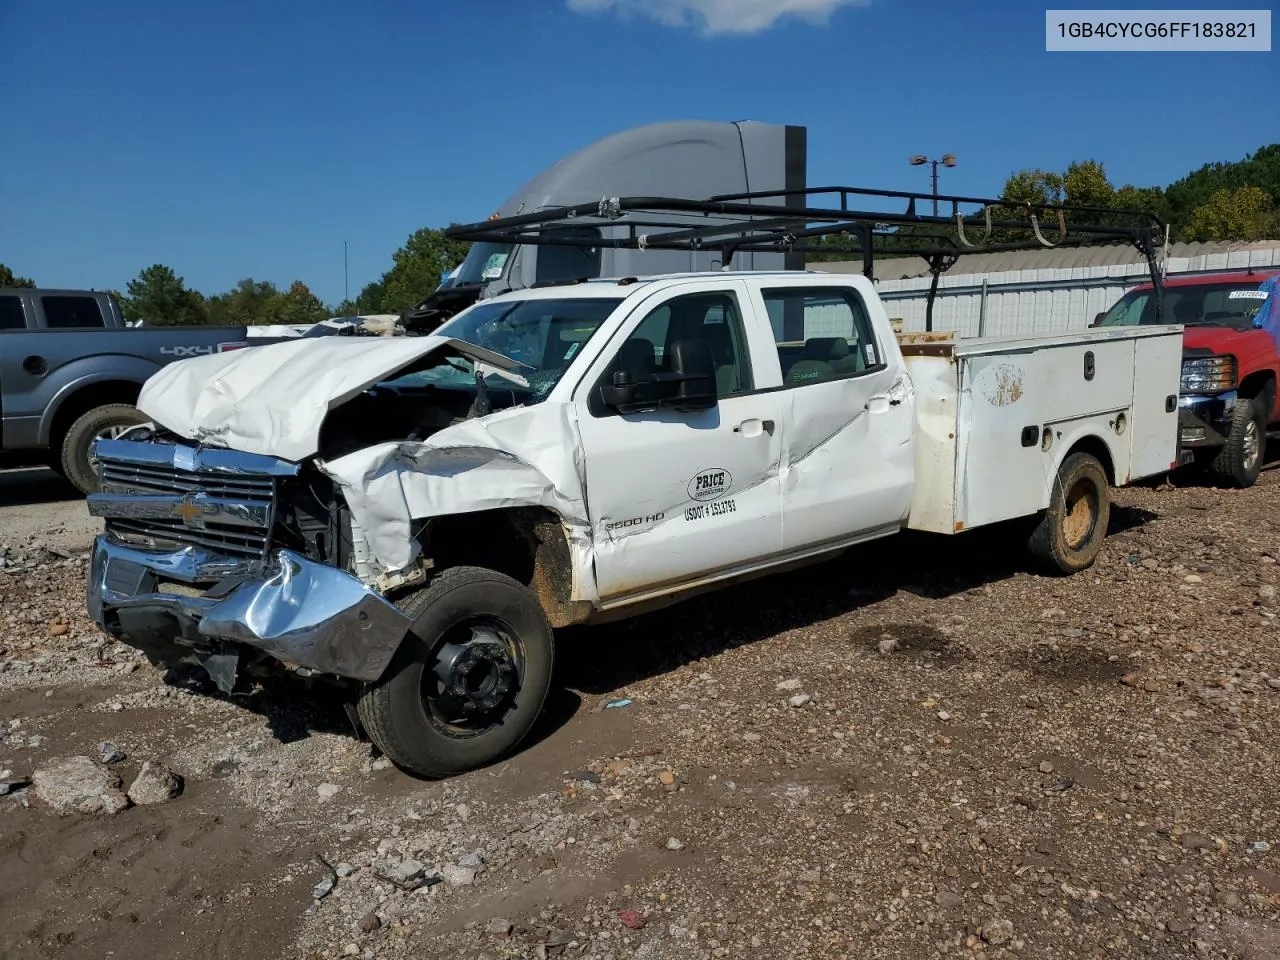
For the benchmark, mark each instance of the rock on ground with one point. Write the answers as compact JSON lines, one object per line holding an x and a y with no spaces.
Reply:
{"x":78,"y":785}
{"x":155,"y":783}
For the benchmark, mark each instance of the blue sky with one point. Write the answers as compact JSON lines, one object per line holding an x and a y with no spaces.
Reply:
{"x":239,"y":138}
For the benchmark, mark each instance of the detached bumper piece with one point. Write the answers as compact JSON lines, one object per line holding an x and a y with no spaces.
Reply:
{"x":305,"y":614}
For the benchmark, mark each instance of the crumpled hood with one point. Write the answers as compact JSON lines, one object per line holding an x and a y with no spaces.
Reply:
{"x":272,"y":399}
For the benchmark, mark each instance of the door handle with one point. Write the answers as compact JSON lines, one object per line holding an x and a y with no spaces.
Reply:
{"x":754,"y":427}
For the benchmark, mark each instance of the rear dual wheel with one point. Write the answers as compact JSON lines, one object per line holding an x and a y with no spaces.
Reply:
{"x":1070,"y":532}
{"x":470,"y":678}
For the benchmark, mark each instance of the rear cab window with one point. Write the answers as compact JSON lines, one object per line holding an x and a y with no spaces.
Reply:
{"x":12,"y":316}
{"x":71,"y":312}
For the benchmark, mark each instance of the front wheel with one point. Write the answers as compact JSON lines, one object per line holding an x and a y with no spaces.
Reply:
{"x":1239,"y":461}
{"x":1070,"y":532}
{"x":469,"y":679}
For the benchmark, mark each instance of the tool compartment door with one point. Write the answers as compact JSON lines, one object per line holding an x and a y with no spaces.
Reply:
{"x":1157,"y":377}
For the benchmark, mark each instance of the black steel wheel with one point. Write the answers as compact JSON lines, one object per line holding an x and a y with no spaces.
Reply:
{"x":469,"y":679}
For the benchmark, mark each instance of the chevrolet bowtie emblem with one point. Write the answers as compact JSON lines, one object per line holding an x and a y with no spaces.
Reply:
{"x":187,"y":510}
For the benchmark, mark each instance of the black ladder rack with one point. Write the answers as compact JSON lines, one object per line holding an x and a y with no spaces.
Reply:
{"x":790,"y":222}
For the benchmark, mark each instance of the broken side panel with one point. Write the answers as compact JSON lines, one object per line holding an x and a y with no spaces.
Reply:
{"x":522,"y":457}
{"x":847,"y":464}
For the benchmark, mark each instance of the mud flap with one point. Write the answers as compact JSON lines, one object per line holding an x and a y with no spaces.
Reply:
{"x":353,"y":715}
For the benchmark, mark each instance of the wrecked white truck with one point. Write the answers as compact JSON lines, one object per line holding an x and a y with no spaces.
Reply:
{"x":415,"y":516}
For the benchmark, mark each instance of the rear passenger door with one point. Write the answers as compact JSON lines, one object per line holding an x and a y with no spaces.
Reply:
{"x":847,"y":469}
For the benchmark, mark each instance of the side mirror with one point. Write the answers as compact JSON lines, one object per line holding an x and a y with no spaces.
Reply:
{"x":691,"y":384}
{"x":1098,"y":318}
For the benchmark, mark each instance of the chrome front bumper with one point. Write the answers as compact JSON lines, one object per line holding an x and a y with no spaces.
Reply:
{"x":303,"y":613}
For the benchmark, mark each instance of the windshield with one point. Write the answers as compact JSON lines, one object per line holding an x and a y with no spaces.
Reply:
{"x":1231,"y":303}
{"x":543,"y":335}
{"x":484,"y":262}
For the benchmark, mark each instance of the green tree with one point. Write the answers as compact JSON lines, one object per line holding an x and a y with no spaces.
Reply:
{"x":159,"y":297}
{"x":1085,"y":184}
{"x":371,"y":297}
{"x":417,"y":269}
{"x":1150,"y":199}
{"x":1034,"y":186}
{"x":296,"y":305}
{"x":1260,"y":169}
{"x":1245,"y":213}
{"x":246,"y":304}
{"x":8,"y":279}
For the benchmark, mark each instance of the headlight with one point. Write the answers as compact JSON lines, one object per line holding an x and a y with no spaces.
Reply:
{"x":1208,"y":374}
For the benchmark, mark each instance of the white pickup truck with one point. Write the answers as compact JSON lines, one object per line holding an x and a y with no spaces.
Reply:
{"x":414,"y":516}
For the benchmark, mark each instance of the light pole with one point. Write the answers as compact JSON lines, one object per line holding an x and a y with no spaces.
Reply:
{"x":346,"y":290}
{"x":947,"y":160}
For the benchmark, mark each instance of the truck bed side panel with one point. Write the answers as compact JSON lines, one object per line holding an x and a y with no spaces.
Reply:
{"x":1004,"y":393}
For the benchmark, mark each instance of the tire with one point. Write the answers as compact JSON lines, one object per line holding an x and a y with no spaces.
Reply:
{"x":415,"y":731}
{"x":77,"y":466}
{"x":1071,"y":531}
{"x":1239,"y":462}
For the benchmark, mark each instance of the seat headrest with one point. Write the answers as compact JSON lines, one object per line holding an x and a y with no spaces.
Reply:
{"x":826,"y":348}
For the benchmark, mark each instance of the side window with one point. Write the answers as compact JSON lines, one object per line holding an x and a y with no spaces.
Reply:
{"x":565,"y":262}
{"x":11,"y":317}
{"x":712,"y":317}
{"x":1132,"y":313}
{"x":62,"y":313}
{"x":822,"y":333}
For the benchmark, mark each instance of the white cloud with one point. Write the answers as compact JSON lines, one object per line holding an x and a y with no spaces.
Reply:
{"x":719,"y":16}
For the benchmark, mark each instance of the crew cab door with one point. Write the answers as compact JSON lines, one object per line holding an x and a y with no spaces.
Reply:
{"x":847,"y":467}
{"x":679,"y":496}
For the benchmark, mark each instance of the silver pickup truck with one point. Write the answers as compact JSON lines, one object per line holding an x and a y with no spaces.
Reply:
{"x":70,"y":371}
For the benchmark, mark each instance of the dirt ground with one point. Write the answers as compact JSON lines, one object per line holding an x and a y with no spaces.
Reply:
{"x":917,"y":750}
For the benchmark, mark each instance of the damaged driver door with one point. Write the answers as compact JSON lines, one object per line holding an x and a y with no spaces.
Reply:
{"x":680,"y":495}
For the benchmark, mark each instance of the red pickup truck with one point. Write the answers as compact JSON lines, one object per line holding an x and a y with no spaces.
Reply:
{"x":1228,"y":396}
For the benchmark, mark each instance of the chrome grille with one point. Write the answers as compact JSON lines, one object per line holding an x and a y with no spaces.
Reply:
{"x":119,"y":477}
{"x":172,"y":495}
{"x":216,"y":538}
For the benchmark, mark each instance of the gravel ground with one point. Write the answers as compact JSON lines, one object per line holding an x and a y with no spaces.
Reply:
{"x":917,"y":750}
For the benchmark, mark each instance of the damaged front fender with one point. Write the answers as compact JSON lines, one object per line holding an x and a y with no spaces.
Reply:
{"x":522,"y":457}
